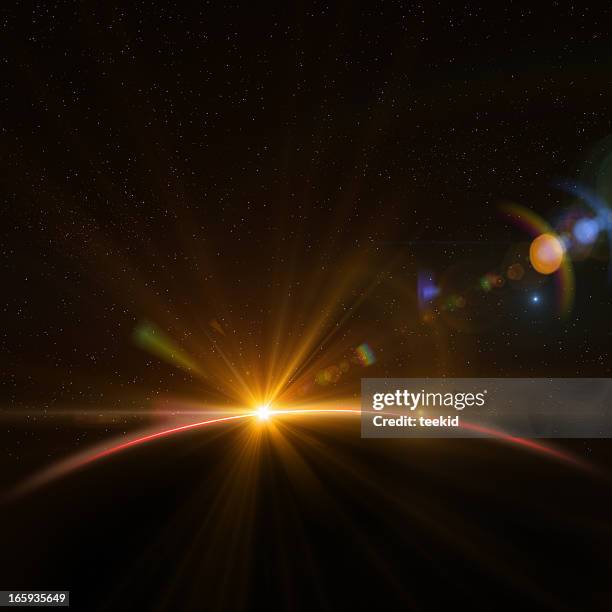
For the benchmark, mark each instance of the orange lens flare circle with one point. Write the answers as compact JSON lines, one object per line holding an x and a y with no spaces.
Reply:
{"x":546,"y":254}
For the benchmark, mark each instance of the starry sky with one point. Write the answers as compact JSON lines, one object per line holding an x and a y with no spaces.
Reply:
{"x":207,"y":166}
{"x":158,"y":156}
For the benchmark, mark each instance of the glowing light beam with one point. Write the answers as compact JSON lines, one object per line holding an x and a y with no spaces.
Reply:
{"x":75,"y":462}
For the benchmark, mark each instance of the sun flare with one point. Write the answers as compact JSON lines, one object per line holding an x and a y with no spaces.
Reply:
{"x":263,"y":412}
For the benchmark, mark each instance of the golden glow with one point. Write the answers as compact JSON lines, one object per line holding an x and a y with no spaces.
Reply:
{"x":263,"y":412}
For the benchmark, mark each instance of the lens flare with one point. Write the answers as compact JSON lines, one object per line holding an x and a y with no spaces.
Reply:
{"x":365,"y":354}
{"x":586,"y":231}
{"x":546,"y":254}
{"x":427,"y":290}
{"x":150,"y":338}
{"x":597,"y":204}
{"x":533,"y":224}
{"x":515,"y":272}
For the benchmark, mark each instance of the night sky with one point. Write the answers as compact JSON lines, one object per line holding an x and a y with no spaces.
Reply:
{"x":263,"y":185}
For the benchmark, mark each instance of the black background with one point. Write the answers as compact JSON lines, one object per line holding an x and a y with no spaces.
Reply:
{"x":178,"y":162}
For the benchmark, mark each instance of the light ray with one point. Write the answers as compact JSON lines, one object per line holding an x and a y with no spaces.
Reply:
{"x":98,"y":452}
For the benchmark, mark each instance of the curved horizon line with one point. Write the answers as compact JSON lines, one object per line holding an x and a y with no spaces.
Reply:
{"x":87,"y":457}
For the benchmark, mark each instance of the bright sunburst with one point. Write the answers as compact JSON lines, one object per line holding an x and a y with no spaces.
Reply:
{"x":263,"y":412}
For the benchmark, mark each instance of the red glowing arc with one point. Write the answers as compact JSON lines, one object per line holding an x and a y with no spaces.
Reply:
{"x":74,"y":462}
{"x":160,"y":434}
{"x":167,"y":432}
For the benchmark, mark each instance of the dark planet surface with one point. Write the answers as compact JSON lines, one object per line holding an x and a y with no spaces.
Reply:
{"x":201,"y":521}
